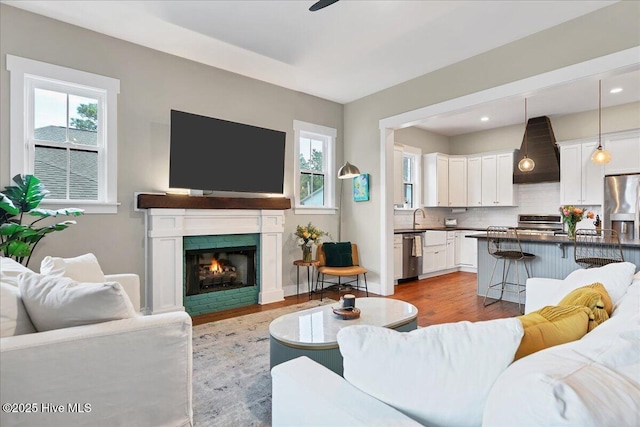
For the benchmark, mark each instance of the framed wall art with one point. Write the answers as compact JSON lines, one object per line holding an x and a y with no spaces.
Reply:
{"x":361,"y":188}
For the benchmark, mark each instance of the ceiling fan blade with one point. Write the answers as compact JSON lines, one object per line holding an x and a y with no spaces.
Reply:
{"x":321,"y":4}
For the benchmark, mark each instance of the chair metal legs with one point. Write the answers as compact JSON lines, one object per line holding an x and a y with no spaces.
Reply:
{"x":320,"y":279}
{"x":502,"y":285}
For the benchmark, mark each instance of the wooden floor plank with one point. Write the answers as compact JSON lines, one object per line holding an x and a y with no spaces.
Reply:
{"x":447,"y":298}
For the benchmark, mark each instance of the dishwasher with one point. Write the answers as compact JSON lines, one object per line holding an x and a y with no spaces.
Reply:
{"x":411,"y":255}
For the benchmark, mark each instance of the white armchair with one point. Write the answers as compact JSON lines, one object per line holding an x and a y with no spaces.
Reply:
{"x":134,"y":371}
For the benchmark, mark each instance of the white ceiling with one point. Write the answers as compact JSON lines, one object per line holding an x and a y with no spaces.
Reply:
{"x":350,"y":49}
{"x":573,"y":97}
{"x":346,"y":51}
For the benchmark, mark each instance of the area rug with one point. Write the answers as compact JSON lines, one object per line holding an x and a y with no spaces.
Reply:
{"x":231,"y":378}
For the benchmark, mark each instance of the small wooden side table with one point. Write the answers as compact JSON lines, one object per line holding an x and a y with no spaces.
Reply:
{"x":309,"y":264}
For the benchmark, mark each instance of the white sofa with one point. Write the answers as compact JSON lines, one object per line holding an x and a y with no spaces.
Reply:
{"x":594,"y":381}
{"x":130,"y":372}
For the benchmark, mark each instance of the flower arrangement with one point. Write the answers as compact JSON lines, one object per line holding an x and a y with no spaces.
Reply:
{"x":308,"y":236}
{"x":572,"y":215}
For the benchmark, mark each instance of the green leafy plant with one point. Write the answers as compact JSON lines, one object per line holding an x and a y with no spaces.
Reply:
{"x":18,"y":240}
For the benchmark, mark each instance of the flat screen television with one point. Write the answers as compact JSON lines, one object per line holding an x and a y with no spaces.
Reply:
{"x":218,"y":155}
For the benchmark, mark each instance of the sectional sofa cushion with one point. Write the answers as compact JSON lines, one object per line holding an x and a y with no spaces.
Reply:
{"x":439,"y":375}
{"x":552,"y":326}
{"x":83,"y":268}
{"x":14,"y":319}
{"x":61,"y":302}
{"x":615,"y":277}
{"x":592,"y":382}
{"x":10,"y":269}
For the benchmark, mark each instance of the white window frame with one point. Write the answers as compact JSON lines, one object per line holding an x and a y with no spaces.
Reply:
{"x":25,"y":76}
{"x":328,"y":136}
{"x":415,"y":154}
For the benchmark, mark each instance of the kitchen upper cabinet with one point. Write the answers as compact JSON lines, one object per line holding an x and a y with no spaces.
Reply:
{"x":504,"y":180}
{"x":474,"y":181}
{"x":580,"y":180}
{"x":457,"y":181}
{"x":436,"y":180}
{"x":398,"y":194}
{"x":497,"y":180}
{"x":625,"y":152}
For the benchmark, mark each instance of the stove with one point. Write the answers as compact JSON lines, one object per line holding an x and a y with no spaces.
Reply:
{"x":538,"y":225}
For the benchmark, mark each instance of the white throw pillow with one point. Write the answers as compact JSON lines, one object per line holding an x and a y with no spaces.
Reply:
{"x":61,"y":302}
{"x":615,"y":277}
{"x":83,"y":268}
{"x":439,"y":375}
{"x":14,"y":319}
{"x":10,"y":269}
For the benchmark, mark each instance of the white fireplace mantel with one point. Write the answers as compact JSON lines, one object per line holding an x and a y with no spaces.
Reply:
{"x":165,"y":229}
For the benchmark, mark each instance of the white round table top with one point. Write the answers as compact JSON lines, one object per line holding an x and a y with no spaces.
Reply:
{"x":318,"y":326}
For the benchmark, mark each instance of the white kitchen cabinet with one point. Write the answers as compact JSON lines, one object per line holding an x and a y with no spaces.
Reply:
{"x":625,"y":152}
{"x":580,"y":180}
{"x":457,"y":181}
{"x":467,"y":249}
{"x":434,"y":258}
{"x":398,"y":194}
{"x":451,"y":249}
{"x":397,"y":256}
{"x":434,"y":254}
{"x":436,"y":180}
{"x":497,"y":180}
{"x":504,"y":180}
{"x":474,"y":181}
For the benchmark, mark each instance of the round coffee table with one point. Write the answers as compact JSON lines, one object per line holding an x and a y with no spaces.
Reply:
{"x":312,"y":332}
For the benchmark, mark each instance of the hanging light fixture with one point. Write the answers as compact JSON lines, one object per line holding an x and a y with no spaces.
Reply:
{"x":526,"y":164}
{"x":600,"y":156}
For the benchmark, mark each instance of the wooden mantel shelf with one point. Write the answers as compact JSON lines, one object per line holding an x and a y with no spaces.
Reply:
{"x":179,"y":201}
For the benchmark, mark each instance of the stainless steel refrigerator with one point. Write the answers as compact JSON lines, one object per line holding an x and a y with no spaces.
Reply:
{"x":622,"y":205}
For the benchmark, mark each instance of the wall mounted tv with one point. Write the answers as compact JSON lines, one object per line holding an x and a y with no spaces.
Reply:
{"x":218,"y":155}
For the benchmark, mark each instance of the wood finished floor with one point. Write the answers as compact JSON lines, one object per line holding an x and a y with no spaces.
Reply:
{"x":448,"y":298}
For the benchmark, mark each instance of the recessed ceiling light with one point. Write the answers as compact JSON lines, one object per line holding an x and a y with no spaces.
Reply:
{"x":616,"y":90}
{"x":484,"y":119}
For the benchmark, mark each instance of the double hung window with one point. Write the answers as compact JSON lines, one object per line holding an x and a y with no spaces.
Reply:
{"x":314,"y":170}
{"x":63,"y":131}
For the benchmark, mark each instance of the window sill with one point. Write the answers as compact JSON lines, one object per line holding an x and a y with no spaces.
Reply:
{"x":298,"y":210}
{"x":89,"y":208}
{"x":404,"y":209}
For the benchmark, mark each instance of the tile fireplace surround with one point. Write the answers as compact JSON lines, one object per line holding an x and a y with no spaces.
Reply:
{"x":165,"y":229}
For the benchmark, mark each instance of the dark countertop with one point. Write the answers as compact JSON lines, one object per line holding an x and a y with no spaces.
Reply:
{"x":441,"y":228}
{"x":564,"y":240}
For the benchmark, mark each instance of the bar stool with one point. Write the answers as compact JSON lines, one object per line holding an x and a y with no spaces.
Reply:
{"x":503,"y":244}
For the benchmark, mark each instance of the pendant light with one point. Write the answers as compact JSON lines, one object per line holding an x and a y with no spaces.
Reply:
{"x":526,"y":164}
{"x":600,"y":156}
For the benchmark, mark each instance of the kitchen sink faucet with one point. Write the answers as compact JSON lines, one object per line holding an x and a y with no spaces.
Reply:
{"x":414,"y":217}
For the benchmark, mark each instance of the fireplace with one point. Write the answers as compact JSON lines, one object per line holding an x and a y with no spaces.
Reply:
{"x":220,"y":272}
{"x":195,"y":223}
{"x":220,"y":269}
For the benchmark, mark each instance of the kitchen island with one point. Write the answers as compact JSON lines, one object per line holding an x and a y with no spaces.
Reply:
{"x":554,"y":259}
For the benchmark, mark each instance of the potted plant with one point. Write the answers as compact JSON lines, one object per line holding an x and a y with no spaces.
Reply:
{"x":18,"y":239}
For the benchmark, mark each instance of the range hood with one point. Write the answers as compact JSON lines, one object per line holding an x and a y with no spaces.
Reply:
{"x":543,"y":150}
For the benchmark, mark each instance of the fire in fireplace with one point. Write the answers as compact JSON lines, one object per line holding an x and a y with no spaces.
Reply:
{"x":220,"y":269}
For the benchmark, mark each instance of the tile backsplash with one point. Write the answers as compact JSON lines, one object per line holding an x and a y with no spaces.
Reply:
{"x":539,"y":198}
